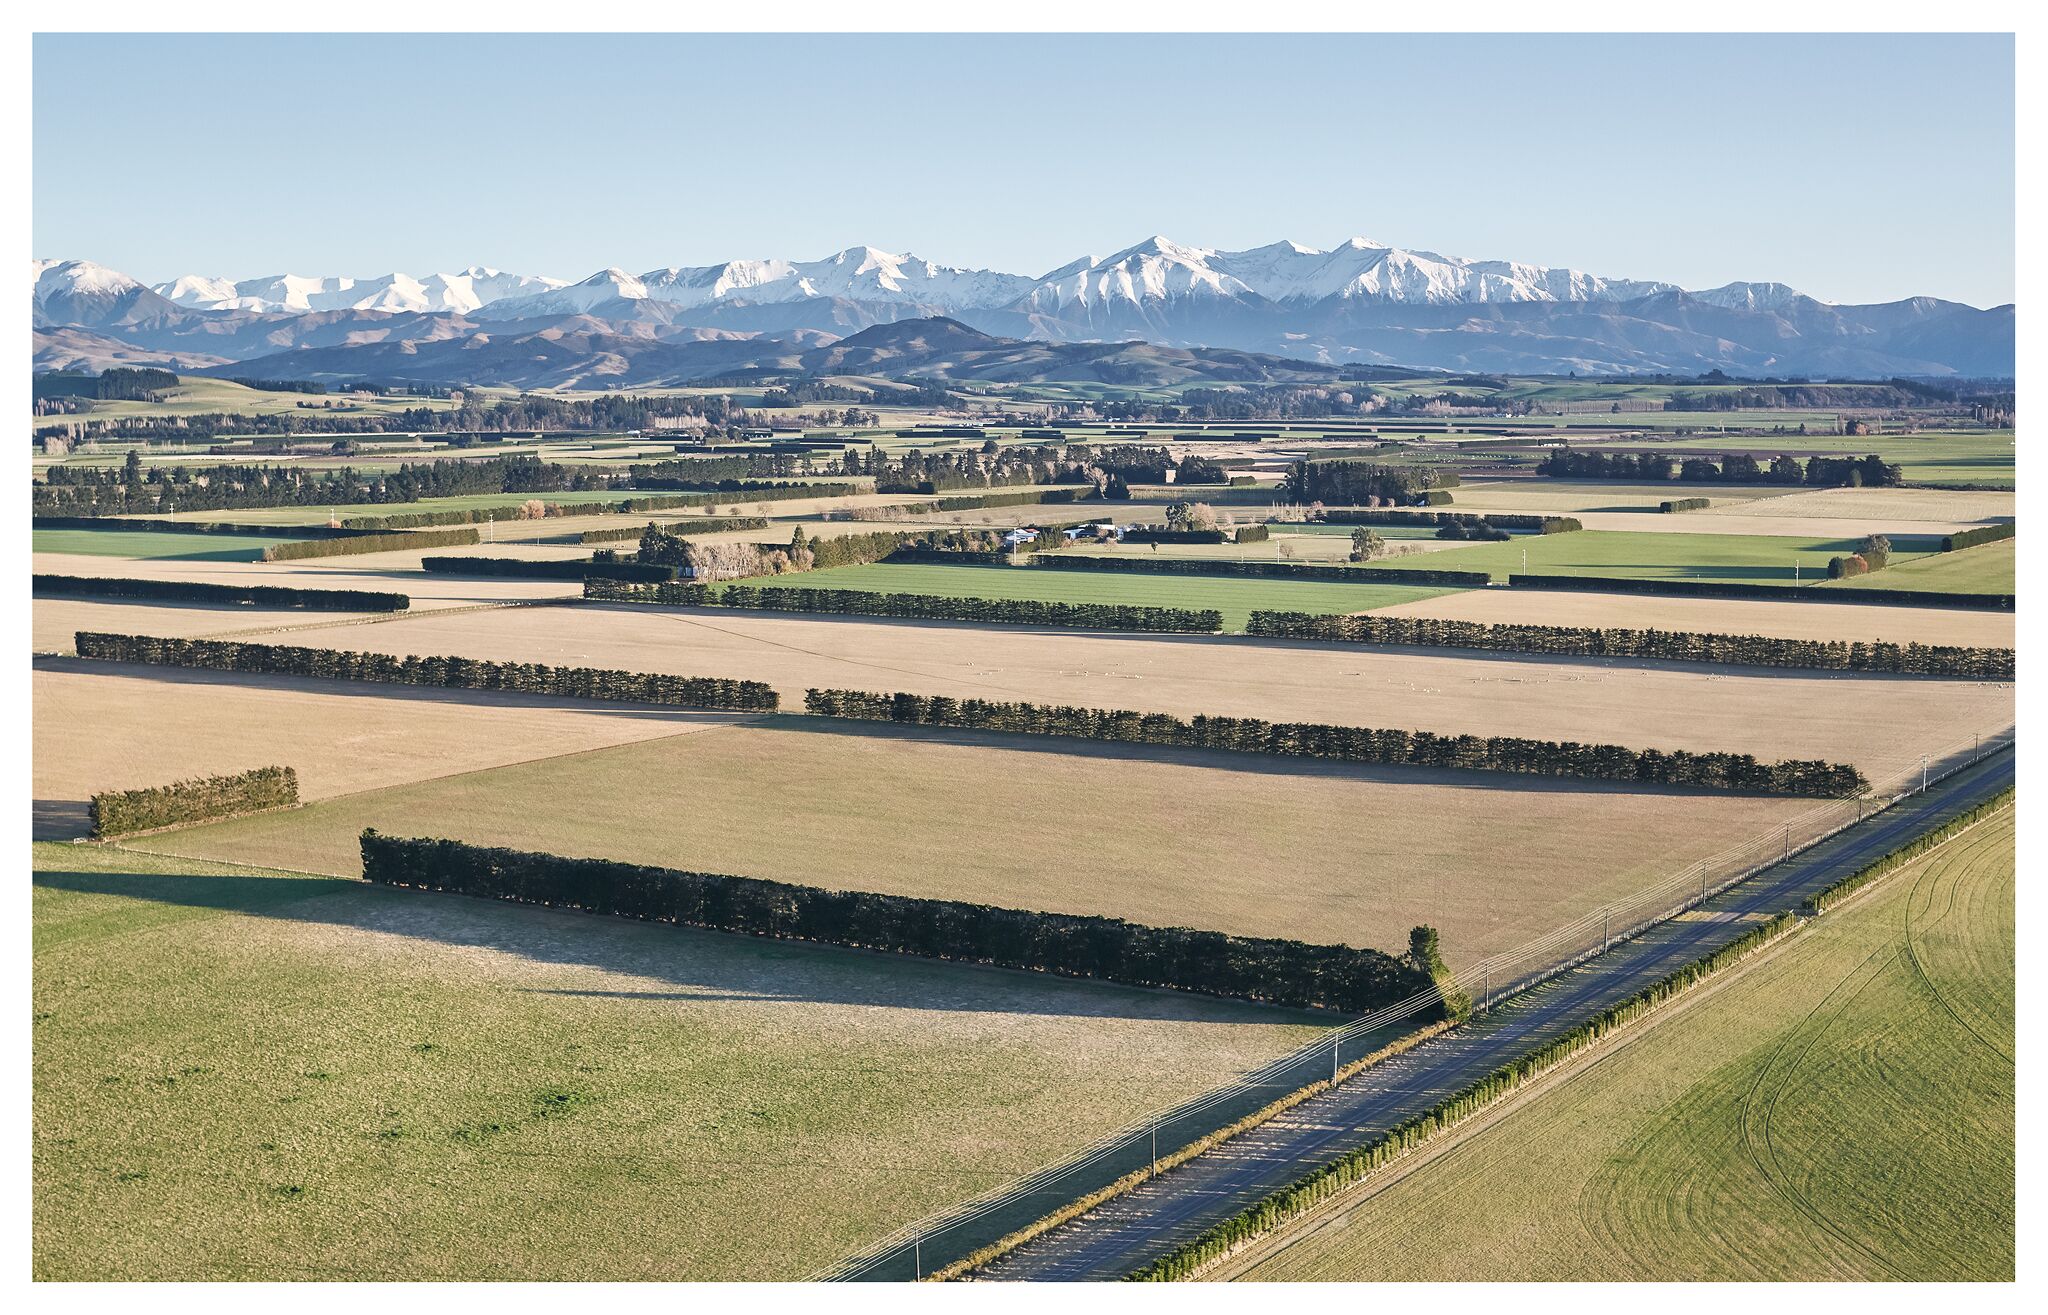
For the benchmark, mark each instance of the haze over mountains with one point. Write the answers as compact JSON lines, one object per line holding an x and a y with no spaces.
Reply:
{"x":1359,"y":303}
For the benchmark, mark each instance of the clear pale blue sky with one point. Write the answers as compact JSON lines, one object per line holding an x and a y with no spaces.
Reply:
{"x":1858,"y":168}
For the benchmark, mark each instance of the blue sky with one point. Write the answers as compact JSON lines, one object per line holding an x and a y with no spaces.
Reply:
{"x":1857,"y":168}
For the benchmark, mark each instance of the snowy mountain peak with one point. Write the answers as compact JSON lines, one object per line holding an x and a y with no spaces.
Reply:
{"x":52,"y":278}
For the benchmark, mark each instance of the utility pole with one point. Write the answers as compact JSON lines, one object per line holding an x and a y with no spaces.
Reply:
{"x":1923,"y":773}
{"x":1606,"y":929}
{"x":1155,"y":1149}
{"x":1334,"y":1043}
{"x":917,"y":1257}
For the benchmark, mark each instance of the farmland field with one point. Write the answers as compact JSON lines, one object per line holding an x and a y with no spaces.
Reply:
{"x":159,"y":545}
{"x":247,"y":1074}
{"x":1771,"y":713}
{"x":1988,"y":568}
{"x":1752,"y":559}
{"x":1843,"y":1110}
{"x":1235,"y":599}
{"x":1727,"y":616}
{"x":1228,"y":842}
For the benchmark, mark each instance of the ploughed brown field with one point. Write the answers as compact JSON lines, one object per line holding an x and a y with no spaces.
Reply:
{"x":1774,"y":714}
{"x":1228,"y":842}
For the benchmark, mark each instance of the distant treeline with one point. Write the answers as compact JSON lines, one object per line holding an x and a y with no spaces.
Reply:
{"x":406,"y":520}
{"x":1726,"y":468}
{"x":117,"y":383}
{"x":526,"y":568}
{"x":145,"y":524}
{"x":1612,"y":584}
{"x":1495,"y":519}
{"x":1354,"y":482}
{"x":915,"y":607}
{"x":1355,"y":744}
{"x":204,"y":799}
{"x":404,"y":541}
{"x":434,"y":672}
{"x":1222,"y":566}
{"x":192,"y":591}
{"x":1281,"y":972}
{"x":1662,"y":645}
{"x":130,"y":489}
{"x":709,"y":525}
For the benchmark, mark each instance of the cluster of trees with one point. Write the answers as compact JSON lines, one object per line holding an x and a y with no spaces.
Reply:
{"x":1725,"y":468}
{"x":915,"y":607}
{"x":1420,"y":577}
{"x":349,"y":545}
{"x":523,"y":568}
{"x":436,"y":672}
{"x":1149,"y":465}
{"x":1306,"y":1193}
{"x":132,"y":490}
{"x":1461,"y":530}
{"x":192,"y":591}
{"x":985,"y":467}
{"x":708,"y":525}
{"x":204,"y":799}
{"x":706,"y":562}
{"x":1253,"y":533}
{"x":1663,"y":645}
{"x":1352,"y":482}
{"x":1685,"y":504}
{"x":1873,"y":554}
{"x":1613,"y":584}
{"x":1358,"y":744}
{"x":1981,"y":534}
{"x":1282,"y":972}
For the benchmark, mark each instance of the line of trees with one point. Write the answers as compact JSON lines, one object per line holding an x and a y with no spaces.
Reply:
{"x":140,"y":524}
{"x":1223,"y":566}
{"x":1981,"y":534}
{"x":433,"y":672}
{"x":193,"y":591}
{"x":915,"y":607}
{"x":1614,"y":584}
{"x":708,"y":525}
{"x":1721,"y":468}
{"x":519,"y":568}
{"x":132,"y":490}
{"x":401,"y":541}
{"x":1662,"y":645}
{"x":1823,"y":900}
{"x":533,"y":509}
{"x":202,"y":799}
{"x":1283,"y":972}
{"x":1357,"y":744}
{"x":1498,"y":520}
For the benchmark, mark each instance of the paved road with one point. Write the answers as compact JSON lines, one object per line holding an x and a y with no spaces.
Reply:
{"x":1125,"y":1234}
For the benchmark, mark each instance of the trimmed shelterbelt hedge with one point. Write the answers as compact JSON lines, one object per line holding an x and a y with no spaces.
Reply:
{"x":1355,"y":744}
{"x":1264,"y":570}
{"x":184,"y":527}
{"x":435,"y":672}
{"x":1611,"y":584}
{"x":1498,"y":520}
{"x":1253,"y":534}
{"x":189,"y":591}
{"x":1310,"y":1190}
{"x":1021,"y":498}
{"x":516,"y":511}
{"x":361,"y":543}
{"x":916,"y":607}
{"x":1982,"y":534}
{"x":1823,"y":900}
{"x":947,"y":557}
{"x":202,"y":799}
{"x":1685,"y":504}
{"x":1667,"y":645}
{"x":1282,"y":972}
{"x":735,"y":490}
{"x":1175,"y":536}
{"x":521,"y":568}
{"x":709,"y":525}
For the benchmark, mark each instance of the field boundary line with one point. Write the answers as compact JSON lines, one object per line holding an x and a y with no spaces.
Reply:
{"x":1453,"y":1133}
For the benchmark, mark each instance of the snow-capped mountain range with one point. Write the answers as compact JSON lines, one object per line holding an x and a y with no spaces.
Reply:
{"x":1360,"y":301}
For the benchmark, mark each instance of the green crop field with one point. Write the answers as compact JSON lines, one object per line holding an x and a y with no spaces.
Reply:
{"x":1749,"y":558}
{"x":159,"y":545}
{"x":1235,"y":599}
{"x":1990,"y":568}
{"x":1844,"y":1110}
{"x":250,"y":1074}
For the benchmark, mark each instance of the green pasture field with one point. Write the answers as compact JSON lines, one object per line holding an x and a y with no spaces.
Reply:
{"x":1235,"y":599}
{"x":159,"y":545}
{"x":1990,"y":568}
{"x":1748,"y":558}
{"x":248,"y":1074}
{"x":1842,"y":1111}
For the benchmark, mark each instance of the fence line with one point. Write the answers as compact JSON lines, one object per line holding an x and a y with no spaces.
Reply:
{"x":1487,"y":982}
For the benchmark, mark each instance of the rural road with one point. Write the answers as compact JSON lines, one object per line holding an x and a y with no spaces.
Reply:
{"x":1125,"y":1234}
